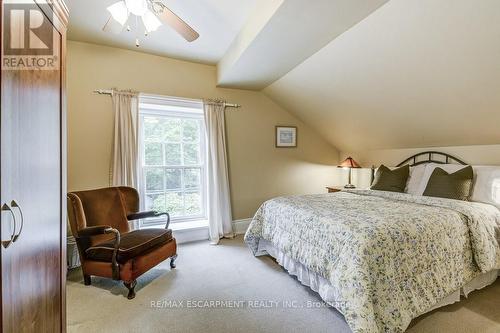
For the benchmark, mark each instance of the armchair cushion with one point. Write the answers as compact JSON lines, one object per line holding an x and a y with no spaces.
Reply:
{"x":132,"y":244}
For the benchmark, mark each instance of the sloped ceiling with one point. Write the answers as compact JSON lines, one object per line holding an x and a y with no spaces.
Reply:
{"x":366,"y":74}
{"x":283,"y":33}
{"x":415,"y":73}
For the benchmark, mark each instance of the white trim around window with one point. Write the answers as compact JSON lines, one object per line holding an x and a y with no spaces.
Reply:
{"x":172,"y":144}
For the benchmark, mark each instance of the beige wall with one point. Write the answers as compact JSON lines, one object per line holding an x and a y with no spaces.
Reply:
{"x":258,"y":171}
{"x":474,"y":155}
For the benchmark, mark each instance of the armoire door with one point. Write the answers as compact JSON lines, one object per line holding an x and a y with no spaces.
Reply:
{"x":32,"y":182}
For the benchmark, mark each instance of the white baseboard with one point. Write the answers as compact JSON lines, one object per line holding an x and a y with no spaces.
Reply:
{"x":241,"y":226}
{"x":191,"y":234}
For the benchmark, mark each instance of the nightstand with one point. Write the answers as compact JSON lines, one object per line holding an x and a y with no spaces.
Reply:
{"x":333,"y":189}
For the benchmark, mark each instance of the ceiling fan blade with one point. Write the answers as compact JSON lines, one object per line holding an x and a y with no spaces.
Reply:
{"x":113,"y":26}
{"x":169,"y":17}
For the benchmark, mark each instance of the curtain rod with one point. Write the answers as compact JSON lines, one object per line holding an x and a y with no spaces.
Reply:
{"x":110,"y":92}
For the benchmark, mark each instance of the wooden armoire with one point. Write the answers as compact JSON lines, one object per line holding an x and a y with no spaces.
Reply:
{"x":33,"y":166}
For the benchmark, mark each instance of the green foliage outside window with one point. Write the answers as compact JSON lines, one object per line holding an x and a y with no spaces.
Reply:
{"x":172,"y":165}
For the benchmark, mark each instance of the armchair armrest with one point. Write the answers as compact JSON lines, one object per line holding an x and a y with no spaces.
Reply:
{"x":144,"y":215}
{"x":148,"y":214}
{"x":102,"y":230}
{"x":93,"y":231}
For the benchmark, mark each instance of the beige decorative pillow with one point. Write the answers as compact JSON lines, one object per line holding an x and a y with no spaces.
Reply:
{"x":456,"y":185}
{"x":391,"y":180}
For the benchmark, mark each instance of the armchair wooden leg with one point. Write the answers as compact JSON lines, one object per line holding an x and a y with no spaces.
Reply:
{"x":86,"y":280}
{"x":172,"y":261}
{"x":130,"y":286}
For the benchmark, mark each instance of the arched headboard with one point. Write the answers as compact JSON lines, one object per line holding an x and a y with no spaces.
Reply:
{"x":430,"y":157}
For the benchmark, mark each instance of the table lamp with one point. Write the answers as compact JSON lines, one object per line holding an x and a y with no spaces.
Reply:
{"x":349,"y":163}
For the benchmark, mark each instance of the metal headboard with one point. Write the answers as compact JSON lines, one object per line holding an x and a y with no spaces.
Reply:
{"x":430,"y":158}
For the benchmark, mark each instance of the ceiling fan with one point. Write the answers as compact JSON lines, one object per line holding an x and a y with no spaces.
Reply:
{"x":152,"y":13}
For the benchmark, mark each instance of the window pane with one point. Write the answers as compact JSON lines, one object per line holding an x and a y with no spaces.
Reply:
{"x":154,"y":179}
{"x":191,"y":130}
{"x":192,"y":178}
{"x":155,"y":202}
{"x":173,"y":157}
{"x":191,"y":154}
{"x":173,"y":153}
{"x":153,"y":154}
{"x":193,"y":203}
{"x":172,"y":130}
{"x":175,"y":204}
{"x":153,"y":128}
{"x":173,"y":179}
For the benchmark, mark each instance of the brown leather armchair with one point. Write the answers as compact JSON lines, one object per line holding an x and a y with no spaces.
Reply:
{"x":99,"y":221}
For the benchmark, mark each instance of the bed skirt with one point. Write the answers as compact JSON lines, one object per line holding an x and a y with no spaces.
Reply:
{"x":327,"y":292}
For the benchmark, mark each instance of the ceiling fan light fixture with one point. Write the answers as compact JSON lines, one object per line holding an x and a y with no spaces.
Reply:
{"x":153,"y":14}
{"x":137,"y":7}
{"x":119,"y":12}
{"x":151,"y":22}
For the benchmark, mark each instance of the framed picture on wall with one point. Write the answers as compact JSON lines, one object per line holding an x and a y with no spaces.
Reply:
{"x":286,"y":136}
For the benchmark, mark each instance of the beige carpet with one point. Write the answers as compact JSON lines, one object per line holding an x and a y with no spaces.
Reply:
{"x":229,"y":272}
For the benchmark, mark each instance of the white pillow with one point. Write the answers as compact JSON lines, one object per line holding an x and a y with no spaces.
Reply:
{"x":429,"y":168}
{"x":486,"y":187}
{"x":415,"y":178}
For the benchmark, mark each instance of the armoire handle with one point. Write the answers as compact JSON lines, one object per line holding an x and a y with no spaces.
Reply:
{"x":14,"y":204}
{"x":5,"y":208}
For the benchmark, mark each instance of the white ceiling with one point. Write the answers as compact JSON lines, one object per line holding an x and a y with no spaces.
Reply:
{"x":217,"y":21}
{"x":413,"y":74}
{"x":292,"y":33}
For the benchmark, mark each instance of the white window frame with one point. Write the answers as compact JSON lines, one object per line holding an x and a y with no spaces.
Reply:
{"x":172,"y":107}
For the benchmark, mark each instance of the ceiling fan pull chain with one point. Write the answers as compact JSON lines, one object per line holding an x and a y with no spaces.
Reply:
{"x":137,"y":43}
{"x":128,"y":24}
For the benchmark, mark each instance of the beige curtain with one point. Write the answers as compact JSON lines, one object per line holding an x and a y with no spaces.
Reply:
{"x":219,"y":202}
{"x":124,"y":161}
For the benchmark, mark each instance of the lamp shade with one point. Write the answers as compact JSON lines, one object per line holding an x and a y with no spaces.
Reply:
{"x":349,"y":163}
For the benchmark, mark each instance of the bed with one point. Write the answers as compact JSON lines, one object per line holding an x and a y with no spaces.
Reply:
{"x":384,"y":258}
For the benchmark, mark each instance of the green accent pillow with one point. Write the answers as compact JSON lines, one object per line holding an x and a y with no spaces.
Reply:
{"x":391,"y":180}
{"x":456,"y":185}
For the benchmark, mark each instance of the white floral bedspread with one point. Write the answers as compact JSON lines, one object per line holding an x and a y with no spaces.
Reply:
{"x":389,"y":256}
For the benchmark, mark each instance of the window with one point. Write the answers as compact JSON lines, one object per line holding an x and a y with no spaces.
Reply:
{"x":172,"y":143}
